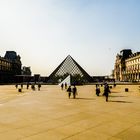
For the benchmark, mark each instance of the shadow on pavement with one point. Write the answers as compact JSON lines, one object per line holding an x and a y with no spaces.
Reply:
{"x":114,"y":92}
{"x":116,"y":96}
{"x":120,"y":101}
{"x":86,"y":98}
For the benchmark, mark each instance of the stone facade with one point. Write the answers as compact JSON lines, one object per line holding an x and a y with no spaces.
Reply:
{"x":26,"y":71}
{"x":127,"y":66}
{"x":10,"y":65}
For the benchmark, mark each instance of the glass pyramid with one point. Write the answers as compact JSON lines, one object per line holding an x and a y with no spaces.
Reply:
{"x":69,"y":67}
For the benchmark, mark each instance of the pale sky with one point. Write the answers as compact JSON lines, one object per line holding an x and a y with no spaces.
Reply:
{"x":44,"y":32}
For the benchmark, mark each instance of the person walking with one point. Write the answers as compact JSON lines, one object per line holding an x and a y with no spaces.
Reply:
{"x":74,"y":90}
{"x":39,"y":86}
{"x":62,"y":85}
{"x":27,"y":85}
{"x":21,"y":86}
{"x":33,"y":87}
{"x":97,"y":90}
{"x":69,"y":91}
{"x":65,"y":85}
{"x":106,"y":91}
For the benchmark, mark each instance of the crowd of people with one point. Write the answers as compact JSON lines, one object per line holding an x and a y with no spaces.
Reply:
{"x":106,"y":91}
{"x":71,"y":90}
{"x":28,"y":85}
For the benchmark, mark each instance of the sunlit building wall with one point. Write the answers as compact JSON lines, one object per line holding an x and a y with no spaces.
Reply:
{"x":127,"y":68}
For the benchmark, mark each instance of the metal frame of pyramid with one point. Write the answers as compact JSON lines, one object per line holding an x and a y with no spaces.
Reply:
{"x":69,"y":67}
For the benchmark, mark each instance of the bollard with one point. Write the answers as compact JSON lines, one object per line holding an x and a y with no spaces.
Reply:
{"x":126,"y":89}
{"x":19,"y":90}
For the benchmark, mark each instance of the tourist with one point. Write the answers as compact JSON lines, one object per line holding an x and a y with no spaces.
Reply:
{"x":62,"y":85}
{"x":33,"y":87}
{"x":114,"y":85}
{"x":69,"y":91}
{"x":65,"y":85}
{"x":27,"y":85}
{"x":39,"y":86}
{"x":74,"y":90}
{"x":97,"y":90}
{"x":21,"y":86}
{"x":106,"y":91}
{"x":96,"y":85}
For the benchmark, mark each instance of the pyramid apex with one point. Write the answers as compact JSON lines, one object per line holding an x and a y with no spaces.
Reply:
{"x":69,"y":56}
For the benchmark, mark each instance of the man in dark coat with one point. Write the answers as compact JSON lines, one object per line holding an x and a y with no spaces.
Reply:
{"x":74,"y":91}
{"x":69,"y":91}
{"x":106,"y":91}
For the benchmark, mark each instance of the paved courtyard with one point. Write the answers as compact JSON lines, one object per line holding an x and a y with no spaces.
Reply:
{"x":48,"y":114}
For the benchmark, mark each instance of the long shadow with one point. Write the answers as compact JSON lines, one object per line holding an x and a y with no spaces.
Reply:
{"x":117,"y":96}
{"x":114,"y":92}
{"x":120,"y":101}
{"x":85,"y":98}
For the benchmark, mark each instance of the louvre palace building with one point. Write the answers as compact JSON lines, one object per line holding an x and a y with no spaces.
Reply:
{"x":10,"y":66}
{"x":127,"y":66}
